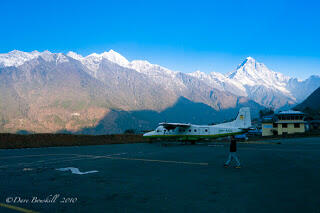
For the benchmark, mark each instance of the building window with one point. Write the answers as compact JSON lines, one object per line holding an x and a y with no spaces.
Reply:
{"x":284,"y":125}
{"x":275,"y":125}
{"x":296,"y":125}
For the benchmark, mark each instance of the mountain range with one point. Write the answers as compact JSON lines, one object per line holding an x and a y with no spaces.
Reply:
{"x":106,"y":93}
{"x":311,"y":105}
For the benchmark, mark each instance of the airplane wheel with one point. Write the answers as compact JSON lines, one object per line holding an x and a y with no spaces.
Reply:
{"x":193,"y":142}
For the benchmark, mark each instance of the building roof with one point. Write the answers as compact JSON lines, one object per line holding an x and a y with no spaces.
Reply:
{"x":290,"y":122}
{"x":290,"y":112}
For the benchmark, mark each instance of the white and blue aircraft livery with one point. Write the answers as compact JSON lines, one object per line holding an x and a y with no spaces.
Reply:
{"x":186,"y":131}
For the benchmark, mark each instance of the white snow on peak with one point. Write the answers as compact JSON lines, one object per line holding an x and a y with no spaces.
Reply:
{"x":75,"y":55}
{"x":253,"y":73}
{"x":199,"y":74}
{"x":111,"y":56}
{"x":243,"y":81}
{"x":93,"y":61}
{"x":249,"y":58}
{"x":16,"y":58}
{"x":220,"y":82}
{"x":247,"y":76}
{"x":154,"y":70}
{"x":141,"y":66}
{"x":116,"y":58}
{"x":47,"y":55}
{"x":61,"y":58}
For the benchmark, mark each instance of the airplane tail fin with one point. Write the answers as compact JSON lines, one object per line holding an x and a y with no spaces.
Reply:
{"x":244,"y":118}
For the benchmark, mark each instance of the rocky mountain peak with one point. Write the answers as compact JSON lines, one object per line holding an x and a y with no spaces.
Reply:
{"x":115,"y":57}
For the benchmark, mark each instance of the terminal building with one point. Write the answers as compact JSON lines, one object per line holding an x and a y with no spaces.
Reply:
{"x":282,"y":123}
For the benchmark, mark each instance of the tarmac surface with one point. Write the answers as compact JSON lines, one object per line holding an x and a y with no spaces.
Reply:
{"x":153,"y":178}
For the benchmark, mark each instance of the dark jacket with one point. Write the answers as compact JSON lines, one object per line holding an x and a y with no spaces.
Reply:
{"x":233,"y":145}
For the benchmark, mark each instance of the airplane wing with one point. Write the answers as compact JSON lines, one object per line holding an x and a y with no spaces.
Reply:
{"x":169,"y":126}
{"x":247,"y":129}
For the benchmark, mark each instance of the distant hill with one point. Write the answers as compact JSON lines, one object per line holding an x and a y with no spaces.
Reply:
{"x":311,"y":105}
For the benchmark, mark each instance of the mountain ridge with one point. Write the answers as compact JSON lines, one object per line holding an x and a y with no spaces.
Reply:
{"x":50,"y":92}
{"x":250,"y":79}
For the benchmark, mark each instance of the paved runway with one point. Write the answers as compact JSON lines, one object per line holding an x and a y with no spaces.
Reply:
{"x":153,"y":178}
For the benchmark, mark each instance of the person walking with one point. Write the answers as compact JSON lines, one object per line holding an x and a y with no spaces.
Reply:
{"x":233,"y":153}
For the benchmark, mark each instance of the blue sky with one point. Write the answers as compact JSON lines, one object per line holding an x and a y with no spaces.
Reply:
{"x":181,"y":35}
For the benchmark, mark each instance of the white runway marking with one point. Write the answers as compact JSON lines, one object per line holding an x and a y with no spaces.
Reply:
{"x":76,"y":171}
{"x":27,"y":156}
{"x":77,"y":157}
{"x":161,"y":161}
{"x":54,"y":160}
{"x":282,"y":150}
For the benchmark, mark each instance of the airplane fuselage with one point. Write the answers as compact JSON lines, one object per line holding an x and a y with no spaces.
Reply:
{"x":194,"y":132}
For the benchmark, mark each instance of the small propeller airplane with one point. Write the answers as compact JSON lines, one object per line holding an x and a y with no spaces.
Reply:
{"x":191,"y":132}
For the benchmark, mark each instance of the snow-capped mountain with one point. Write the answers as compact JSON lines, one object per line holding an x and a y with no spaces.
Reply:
{"x":252,"y":73}
{"x":221,"y":82}
{"x":250,"y":79}
{"x":49,"y":92}
{"x":257,"y":82}
{"x":43,"y":91}
{"x":158,"y":74}
{"x":94,"y":60}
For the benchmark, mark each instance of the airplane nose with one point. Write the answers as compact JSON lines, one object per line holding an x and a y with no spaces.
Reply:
{"x":147,"y":134}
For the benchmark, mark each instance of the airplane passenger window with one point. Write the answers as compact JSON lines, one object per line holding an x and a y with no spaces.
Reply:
{"x":206,"y":130}
{"x":195,"y":130}
{"x":189,"y":130}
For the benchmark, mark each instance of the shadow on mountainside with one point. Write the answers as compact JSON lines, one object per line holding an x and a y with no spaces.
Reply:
{"x":183,"y":111}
